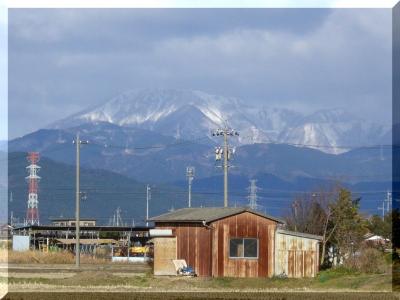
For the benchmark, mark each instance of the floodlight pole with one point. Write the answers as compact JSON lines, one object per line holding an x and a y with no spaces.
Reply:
{"x":190,"y":176}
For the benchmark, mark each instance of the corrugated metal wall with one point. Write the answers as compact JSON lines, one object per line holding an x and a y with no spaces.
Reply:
{"x":296,"y":256}
{"x":193,"y":244}
{"x":244,"y":225}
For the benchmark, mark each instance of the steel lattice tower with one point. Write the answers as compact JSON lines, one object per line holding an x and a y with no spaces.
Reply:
{"x":32,"y":214}
{"x":253,"y":194}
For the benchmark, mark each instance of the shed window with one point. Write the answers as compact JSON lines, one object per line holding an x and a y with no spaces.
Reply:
{"x":243,"y":248}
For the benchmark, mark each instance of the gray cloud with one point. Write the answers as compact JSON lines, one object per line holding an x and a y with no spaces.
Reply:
{"x":61,"y":61}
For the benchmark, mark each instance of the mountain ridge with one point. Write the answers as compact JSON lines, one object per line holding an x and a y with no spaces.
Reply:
{"x":147,"y":155}
{"x":190,"y":114}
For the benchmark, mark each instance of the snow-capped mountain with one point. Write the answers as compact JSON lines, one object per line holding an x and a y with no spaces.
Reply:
{"x":334,"y":131}
{"x":186,"y":114}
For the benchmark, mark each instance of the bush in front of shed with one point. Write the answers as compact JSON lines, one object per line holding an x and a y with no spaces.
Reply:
{"x":372,"y":261}
{"x":368,"y":260}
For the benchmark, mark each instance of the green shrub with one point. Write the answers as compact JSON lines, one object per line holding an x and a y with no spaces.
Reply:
{"x":336,"y":272}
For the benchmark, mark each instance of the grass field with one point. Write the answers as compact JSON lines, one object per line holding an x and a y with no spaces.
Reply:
{"x":61,"y":280}
{"x":127,"y":279}
{"x":202,"y":295}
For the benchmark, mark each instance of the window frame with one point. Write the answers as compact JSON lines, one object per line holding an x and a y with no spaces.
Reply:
{"x":243,"y":239}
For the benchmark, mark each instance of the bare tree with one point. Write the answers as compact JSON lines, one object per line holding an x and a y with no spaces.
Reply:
{"x":314,"y":213}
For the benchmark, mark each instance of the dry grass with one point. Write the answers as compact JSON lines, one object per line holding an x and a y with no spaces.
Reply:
{"x":32,"y":257}
{"x":107,"y":279}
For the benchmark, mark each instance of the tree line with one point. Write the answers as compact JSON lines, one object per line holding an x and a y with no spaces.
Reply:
{"x":334,"y":215}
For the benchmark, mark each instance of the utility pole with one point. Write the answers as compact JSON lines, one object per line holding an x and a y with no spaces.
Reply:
{"x":12,"y":213}
{"x":383,"y":209}
{"x":388,"y":200}
{"x":226,"y":152}
{"x":295,"y":205}
{"x":190,"y":176}
{"x":148,"y":197}
{"x":78,"y":144}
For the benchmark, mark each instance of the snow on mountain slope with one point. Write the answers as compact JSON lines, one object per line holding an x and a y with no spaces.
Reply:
{"x":179,"y":113}
{"x":334,"y":131}
{"x":189,"y":114}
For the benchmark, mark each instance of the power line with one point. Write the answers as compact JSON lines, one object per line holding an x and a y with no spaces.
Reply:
{"x":183,"y":143}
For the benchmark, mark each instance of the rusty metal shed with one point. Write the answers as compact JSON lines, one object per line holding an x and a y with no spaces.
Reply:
{"x":218,"y":241}
{"x":297,"y":254}
{"x":232,"y":242}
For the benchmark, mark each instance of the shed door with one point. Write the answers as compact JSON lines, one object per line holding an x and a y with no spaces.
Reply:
{"x":164,"y":253}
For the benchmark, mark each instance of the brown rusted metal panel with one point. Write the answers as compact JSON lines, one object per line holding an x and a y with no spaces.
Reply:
{"x":241,"y":225}
{"x":205,"y":255}
{"x":232,"y":226}
{"x":214,"y":247}
{"x":291,"y":263}
{"x":193,"y":245}
{"x":251,"y":226}
{"x":245,"y":225}
{"x":262,"y":251}
{"x":220,"y":248}
{"x":299,"y":264}
{"x":309,"y":268}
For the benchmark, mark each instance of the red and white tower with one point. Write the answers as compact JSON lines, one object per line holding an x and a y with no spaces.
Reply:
{"x":32,"y":214}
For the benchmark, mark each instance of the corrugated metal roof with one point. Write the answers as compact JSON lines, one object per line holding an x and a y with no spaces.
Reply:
{"x":71,"y":219}
{"x":207,"y":214}
{"x":300,"y":234}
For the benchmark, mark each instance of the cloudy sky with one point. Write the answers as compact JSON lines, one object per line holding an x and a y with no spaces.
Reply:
{"x":64,"y":60}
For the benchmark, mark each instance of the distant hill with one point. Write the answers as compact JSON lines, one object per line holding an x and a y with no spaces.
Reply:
{"x":148,"y":156}
{"x":105,"y":192}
